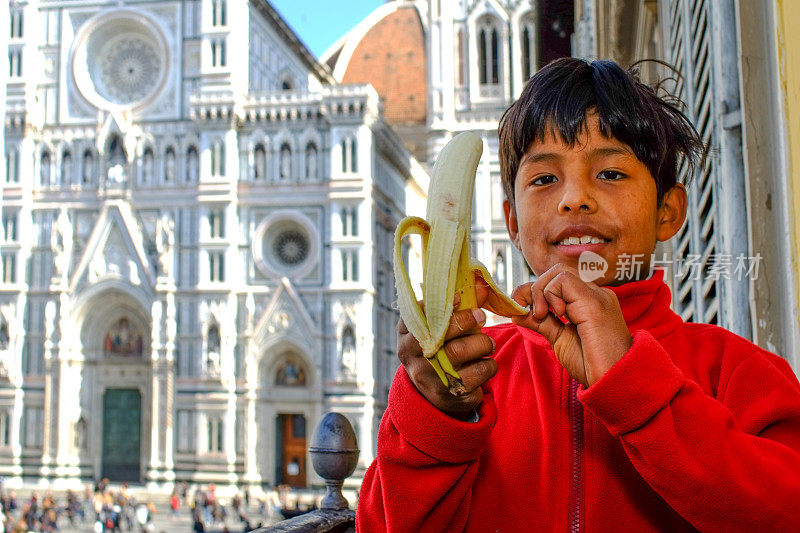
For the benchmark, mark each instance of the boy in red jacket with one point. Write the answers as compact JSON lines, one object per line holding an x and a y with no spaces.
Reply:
{"x":601,"y":410}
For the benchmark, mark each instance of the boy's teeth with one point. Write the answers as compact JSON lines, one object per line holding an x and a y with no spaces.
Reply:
{"x":584,"y":239}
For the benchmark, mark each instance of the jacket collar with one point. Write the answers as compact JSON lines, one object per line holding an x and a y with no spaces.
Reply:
{"x":646,"y":305}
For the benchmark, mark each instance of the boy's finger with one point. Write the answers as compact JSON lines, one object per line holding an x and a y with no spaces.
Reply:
{"x":540,"y":301}
{"x":564,"y":288}
{"x":530,"y":295}
{"x":482,"y":290}
{"x":408,"y":347}
{"x":550,"y":327}
{"x":548,"y":275}
{"x":462,"y":350}
{"x":522,"y":294}
{"x":465,"y":321}
{"x":428,"y":383}
{"x":476,"y":373}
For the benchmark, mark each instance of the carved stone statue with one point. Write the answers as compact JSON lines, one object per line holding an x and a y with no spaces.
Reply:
{"x":5,"y":338}
{"x":165,"y":243}
{"x":49,"y":319}
{"x":116,"y":162}
{"x":80,"y":433}
{"x":192,"y":165}
{"x":61,"y":244}
{"x":286,"y":162}
{"x":311,"y":162}
{"x":116,"y":174}
{"x":66,"y":169}
{"x":169,"y":165}
{"x":88,"y":167}
{"x":348,"y":352}
{"x":213,"y":355}
{"x":148,"y":167}
{"x":45,"y":169}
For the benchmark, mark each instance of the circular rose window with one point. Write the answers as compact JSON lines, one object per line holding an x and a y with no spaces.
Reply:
{"x":285,"y":244}
{"x":129,"y":70}
{"x":291,"y":247}
{"x":120,"y":60}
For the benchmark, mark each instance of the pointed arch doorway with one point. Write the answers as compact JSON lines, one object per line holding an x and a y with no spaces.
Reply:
{"x":122,"y":416}
{"x":117,"y":379}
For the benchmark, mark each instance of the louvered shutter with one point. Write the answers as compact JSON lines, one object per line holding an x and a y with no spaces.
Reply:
{"x":705,"y":251}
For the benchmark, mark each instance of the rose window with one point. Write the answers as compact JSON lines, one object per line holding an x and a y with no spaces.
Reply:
{"x":285,"y":244}
{"x":291,"y":247}
{"x":120,"y":59}
{"x":129,"y":70}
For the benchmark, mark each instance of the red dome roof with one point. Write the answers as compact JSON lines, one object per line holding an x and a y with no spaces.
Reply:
{"x":390,"y":55}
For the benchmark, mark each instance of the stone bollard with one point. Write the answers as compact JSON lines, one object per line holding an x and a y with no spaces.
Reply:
{"x":334,"y":455}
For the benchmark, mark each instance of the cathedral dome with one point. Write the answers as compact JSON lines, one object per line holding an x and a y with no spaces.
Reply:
{"x":387,"y":49}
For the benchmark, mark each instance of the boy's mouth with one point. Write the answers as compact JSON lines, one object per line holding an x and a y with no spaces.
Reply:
{"x":583,"y":239}
{"x":579,"y":234}
{"x":574,"y":240}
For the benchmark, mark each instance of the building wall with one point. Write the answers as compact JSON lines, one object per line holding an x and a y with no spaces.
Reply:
{"x":788,"y":14}
{"x":209,"y":251}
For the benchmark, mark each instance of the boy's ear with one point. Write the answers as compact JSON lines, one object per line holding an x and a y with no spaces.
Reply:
{"x":672,"y":212}
{"x":511,"y":222}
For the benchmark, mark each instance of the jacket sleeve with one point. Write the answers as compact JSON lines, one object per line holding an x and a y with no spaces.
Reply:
{"x":728,"y":463}
{"x":421,"y":479}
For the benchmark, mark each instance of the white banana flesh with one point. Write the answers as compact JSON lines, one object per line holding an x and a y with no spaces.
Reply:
{"x":448,"y":267}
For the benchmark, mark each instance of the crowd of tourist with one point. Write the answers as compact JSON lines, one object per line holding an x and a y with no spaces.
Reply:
{"x":99,"y":507}
{"x":102,"y":509}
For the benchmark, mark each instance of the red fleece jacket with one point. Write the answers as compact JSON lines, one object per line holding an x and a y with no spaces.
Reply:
{"x":694,"y":427}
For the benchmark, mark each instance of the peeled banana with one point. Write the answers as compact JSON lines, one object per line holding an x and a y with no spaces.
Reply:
{"x":447,"y":267}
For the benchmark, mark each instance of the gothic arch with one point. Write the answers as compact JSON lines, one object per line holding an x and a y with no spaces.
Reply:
{"x":101,"y":307}
{"x":282,"y":140}
{"x":257,"y":156}
{"x":272,"y":357}
{"x":46,"y":168}
{"x":66,"y":164}
{"x":524,"y":45}
{"x":169,"y":172}
{"x":147,"y":165}
{"x":217,"y":147}
{"x":488,"y":53}
{"x":348,"y":350}
{"x":191,"y":173}
{"x":115,"y":148}
{"x":88,"y":165}
{"x":308,"y":139}
{"x":287,"y":81}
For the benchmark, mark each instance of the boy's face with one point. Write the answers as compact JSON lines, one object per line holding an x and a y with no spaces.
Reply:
{"x":596,"y":191}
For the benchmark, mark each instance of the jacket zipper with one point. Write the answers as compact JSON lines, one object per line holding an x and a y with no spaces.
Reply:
{"x":576,"y":417}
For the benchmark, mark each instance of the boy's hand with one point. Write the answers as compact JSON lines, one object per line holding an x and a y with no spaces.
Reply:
{"x":596,"y":336}
{"x":467,"y":348}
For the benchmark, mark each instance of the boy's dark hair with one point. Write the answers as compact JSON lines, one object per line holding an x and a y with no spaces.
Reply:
{"x":558,"y":98}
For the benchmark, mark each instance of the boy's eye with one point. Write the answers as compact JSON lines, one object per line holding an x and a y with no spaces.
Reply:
{"x":610,"y":175}
{"x":545,"y":180}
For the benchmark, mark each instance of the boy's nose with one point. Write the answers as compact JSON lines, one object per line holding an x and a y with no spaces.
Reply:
{"x":577,"y":198}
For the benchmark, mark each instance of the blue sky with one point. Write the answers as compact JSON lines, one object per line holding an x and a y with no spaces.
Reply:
{"x":319,"y":23}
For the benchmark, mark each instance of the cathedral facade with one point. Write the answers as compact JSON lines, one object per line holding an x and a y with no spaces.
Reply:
{"x":443,"y":67}
{"x":197,"y":234}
